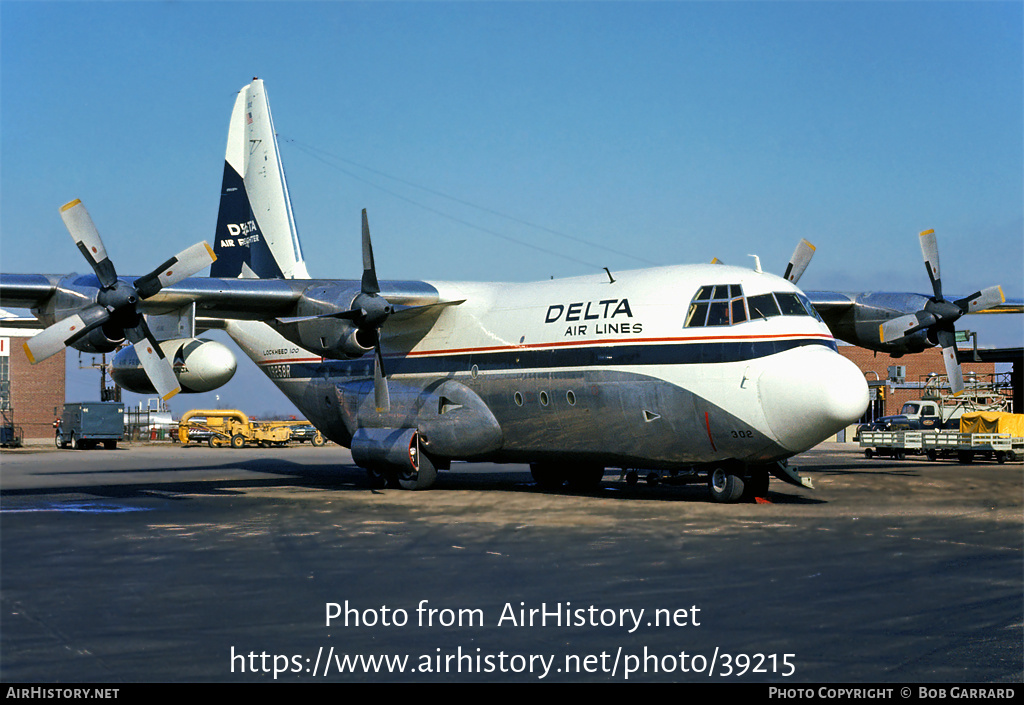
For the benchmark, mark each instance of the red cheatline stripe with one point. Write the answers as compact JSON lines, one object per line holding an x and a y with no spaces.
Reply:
{"x":572,"y":343}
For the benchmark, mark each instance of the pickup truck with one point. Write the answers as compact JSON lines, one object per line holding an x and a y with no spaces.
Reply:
{"x":920,"y":415}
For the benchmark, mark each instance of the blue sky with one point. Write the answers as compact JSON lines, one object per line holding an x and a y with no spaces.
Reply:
{"x":666,"y":132}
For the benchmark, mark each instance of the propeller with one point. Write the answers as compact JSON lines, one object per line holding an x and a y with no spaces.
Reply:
{"x":939,"y":314}
{"x":369,"y":312}
{"x":797,"y":262}
{"x":118,"y":304}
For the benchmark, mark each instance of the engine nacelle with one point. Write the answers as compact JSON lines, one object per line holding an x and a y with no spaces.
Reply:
{"x":861,"y":324}
{"x":98,"y":340}
{"x":320,"y":333}
{"x":200,"y":366}
{"x":331,"y":337}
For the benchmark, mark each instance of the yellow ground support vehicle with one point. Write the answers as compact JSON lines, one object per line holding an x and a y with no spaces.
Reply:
{"x":220,"y":427}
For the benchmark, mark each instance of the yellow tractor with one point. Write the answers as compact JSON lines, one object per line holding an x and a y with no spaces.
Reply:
{"x":221,"y":427}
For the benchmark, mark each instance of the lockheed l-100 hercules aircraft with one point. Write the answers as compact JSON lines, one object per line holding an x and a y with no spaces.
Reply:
{"x":717,"y":371}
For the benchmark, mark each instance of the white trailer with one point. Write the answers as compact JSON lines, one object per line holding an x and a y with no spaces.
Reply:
{"x":965,"y":447}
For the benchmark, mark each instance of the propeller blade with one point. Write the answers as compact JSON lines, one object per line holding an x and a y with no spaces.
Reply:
{"x":930,"y":252}
{"x":946,"y":338}
{"x":83,"y":231}
{"x":55,"y":338}
{"x":181,"y":266}
{"x":953,"y":371}
{"x":798,"y":262}
{"x":381,"y":397}
{"x":896,"y":328}
{"x":982,"y":300}
{"x":369,"y":283}
{"x":156,"y":365}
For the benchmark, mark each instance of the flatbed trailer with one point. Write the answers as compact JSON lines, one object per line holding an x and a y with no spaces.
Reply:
{"x":965,"y":447}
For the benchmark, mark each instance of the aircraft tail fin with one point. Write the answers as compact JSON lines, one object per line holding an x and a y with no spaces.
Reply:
{"x":256,"y":235}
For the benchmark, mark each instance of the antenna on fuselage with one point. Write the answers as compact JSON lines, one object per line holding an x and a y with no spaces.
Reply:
{"x":757,"y":263}
{"x":611,"y":279}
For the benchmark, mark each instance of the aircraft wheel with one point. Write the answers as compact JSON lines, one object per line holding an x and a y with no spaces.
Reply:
{"x":421,"y":480}
{"x":756,"y":485}
{"x":547,"y":476}
{"x":725,"y":486}
{"x":238,"y":441}
{"x":318,"y":440}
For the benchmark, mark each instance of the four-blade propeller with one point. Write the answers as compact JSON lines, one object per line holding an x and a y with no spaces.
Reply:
{"x":369,"y":312}
{"x":118,"y":306}
{"x":939,"y":315}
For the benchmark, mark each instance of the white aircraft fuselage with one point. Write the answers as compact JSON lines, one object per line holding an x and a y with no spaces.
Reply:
{"x":588,"y":369}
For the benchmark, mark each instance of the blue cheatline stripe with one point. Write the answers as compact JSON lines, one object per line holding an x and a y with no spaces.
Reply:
{"x":524,"y":359}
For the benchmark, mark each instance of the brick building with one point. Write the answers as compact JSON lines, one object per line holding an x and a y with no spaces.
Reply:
{"x":31,"y":396}
{"x":888,"y":395}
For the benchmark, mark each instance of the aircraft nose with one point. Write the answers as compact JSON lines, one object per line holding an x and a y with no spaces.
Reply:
{"x":810,"y":393}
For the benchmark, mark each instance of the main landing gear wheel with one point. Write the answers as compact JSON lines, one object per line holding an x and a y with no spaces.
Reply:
{"x":725,"y":485}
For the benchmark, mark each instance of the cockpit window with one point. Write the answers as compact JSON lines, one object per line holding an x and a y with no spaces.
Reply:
{"x":717,"y":305}
{"x":724,"y":305}
{"x":790,"y":304}
{"x":763,"y":306}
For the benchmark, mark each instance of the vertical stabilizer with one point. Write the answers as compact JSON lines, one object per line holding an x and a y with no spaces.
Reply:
{"x":256,"y":235}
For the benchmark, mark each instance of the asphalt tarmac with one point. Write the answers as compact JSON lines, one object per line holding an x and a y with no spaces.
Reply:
{"x":157,"y":563}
